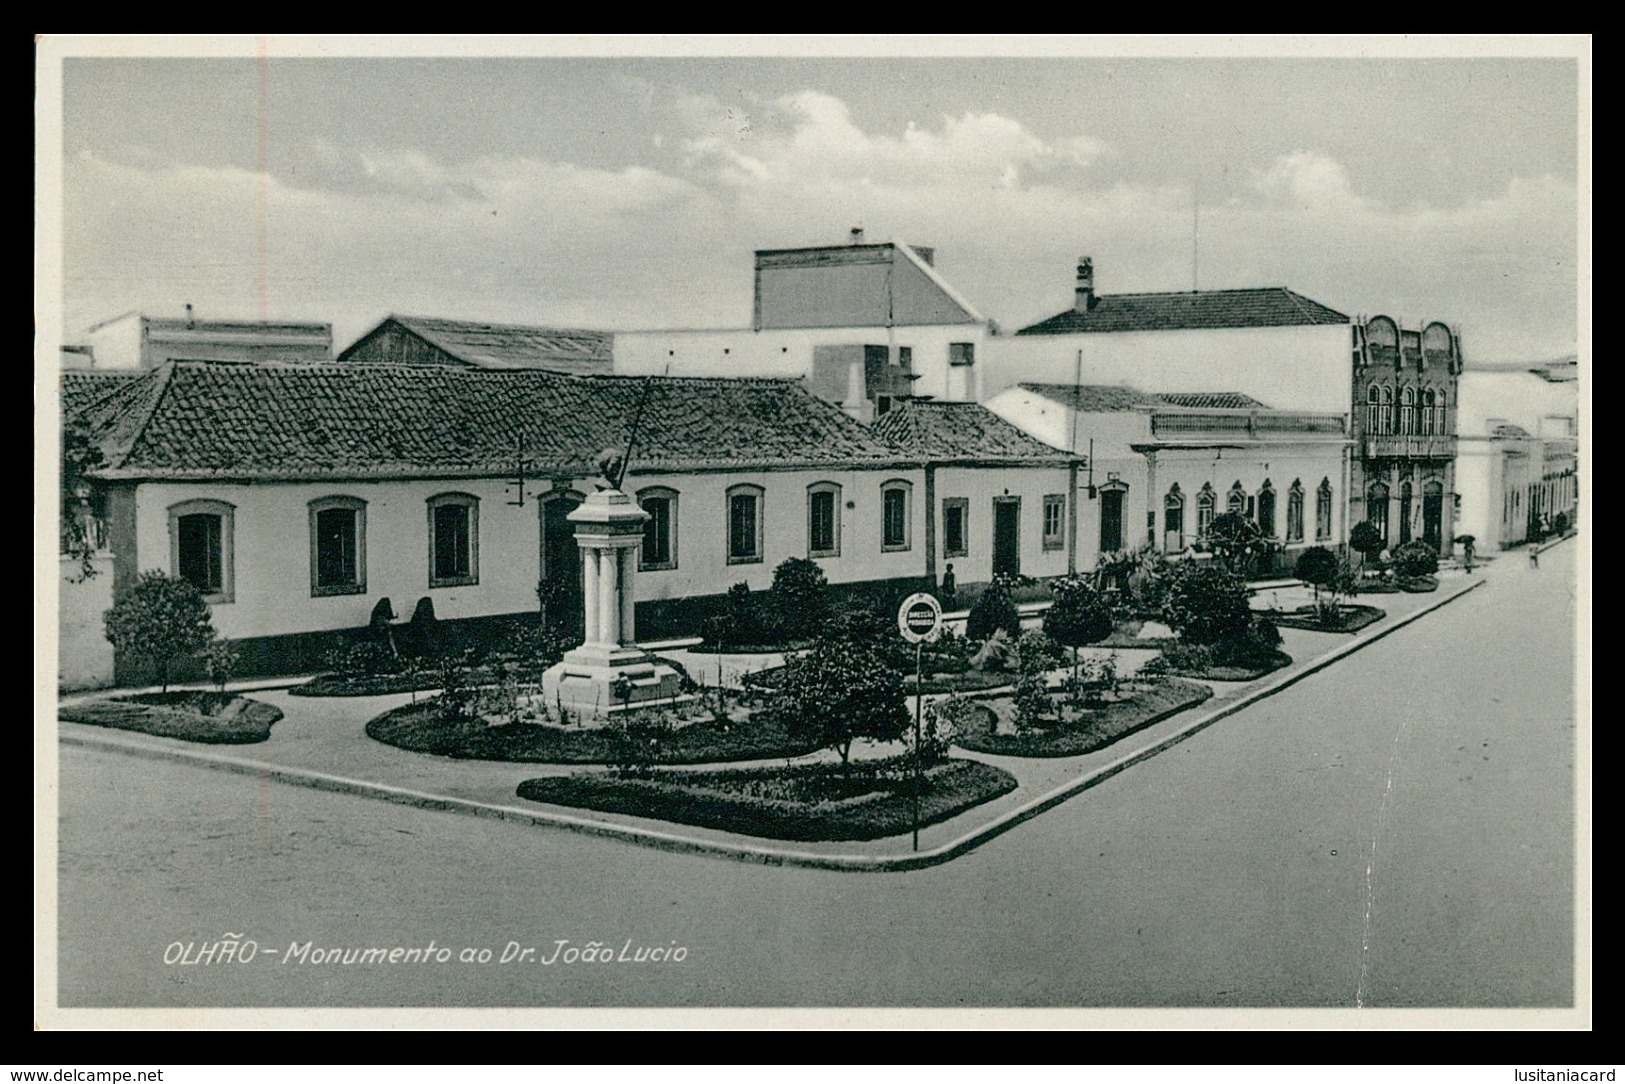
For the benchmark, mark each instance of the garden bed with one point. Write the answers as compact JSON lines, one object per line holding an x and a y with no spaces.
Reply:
{"x":209,"y":717}
{"x":425,"y":728}
{"x":771,"y":678}
{"x":806,"y":802}
{"x":1127,"y":634}
{"x":1077,"y":732}
{"x":1413,"y":585}
{"x":1348,"y":619}
{"x":425,"y":680}
{"x":782,"y":647}
{"x":1245,"y":670}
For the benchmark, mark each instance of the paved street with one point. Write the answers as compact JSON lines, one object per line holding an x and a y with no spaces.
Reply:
{"x":1395,"y":831}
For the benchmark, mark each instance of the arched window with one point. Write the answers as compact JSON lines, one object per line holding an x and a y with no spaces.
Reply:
{"x":1266,"y":509}
{"x":1237,"y":501}
{"x":1407,"y":411}
{"x":454,"y":540}
{"x":1323,"y":510}
{"x":1385,"y":424}
{"x":1428,"y":412}
{"x":1294,"y":512}
{"x":1373,"y":409}
{"x":200,"y":546}
{"x":659,"y":530}
{"x":1405,"y":512}
{"x":338,"y":546}
{"x":823,"y":520}
{"x":1439,"y":424}
{"x":744,"y":524}
{"x":896,"y":502}
{"x":1205,"y":502}
{"x":1173,"y":520}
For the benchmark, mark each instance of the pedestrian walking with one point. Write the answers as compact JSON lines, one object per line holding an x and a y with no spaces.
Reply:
{"x":1534,"y":556}
{"x":1467,"y":551}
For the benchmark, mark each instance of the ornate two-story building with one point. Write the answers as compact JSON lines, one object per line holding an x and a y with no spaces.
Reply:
{"x":1403,"y":419}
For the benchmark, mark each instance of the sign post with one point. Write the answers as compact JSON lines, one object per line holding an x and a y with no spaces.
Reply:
{"x":918,"y":619}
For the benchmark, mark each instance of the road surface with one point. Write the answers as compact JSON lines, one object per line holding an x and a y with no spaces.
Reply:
{"x":1395,"y":831}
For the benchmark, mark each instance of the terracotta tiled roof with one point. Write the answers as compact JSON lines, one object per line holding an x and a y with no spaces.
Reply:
{"x":961,"y":431}
{"x":1111,"y":398}
{"x":1270,"y":306}
{"x":514,"y":346}
{"x":1211,"y":400}
{"x":201,"y":420}
{"x":83,"y":388}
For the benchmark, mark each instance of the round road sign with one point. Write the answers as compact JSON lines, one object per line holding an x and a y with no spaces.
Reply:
{"x":918,"y":617}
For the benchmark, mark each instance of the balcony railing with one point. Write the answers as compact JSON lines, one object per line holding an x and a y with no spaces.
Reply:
{"x":1409,"y":446}
{"x":1251,"y":424}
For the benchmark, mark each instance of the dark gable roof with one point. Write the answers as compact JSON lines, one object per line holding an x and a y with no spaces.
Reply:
{"x":1111,"y":398}
{"x":961,"y":431}
{"x":515,"y":346}
{"x":1269,"y":306}
{"x":199,"y":420}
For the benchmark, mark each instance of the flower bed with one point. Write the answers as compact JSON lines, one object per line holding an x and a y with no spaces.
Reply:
{"x":426,"y":728}
{"x":208,"y":717}
{"x":1076,"y":732}
{"x":426,"y":679}
{"x":1244,"y":669}
{"x":808,"y":802}
{"x":1348,"y":619}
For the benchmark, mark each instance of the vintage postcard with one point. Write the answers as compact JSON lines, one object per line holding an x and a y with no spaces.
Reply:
{"x":942,"y":532}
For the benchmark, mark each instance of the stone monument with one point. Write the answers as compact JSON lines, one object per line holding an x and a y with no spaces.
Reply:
{"x":608,"y":673}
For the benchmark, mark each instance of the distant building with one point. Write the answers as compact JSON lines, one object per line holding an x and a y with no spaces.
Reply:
{"x":1519,"y":454}
{"x":1164,"y":464}
{"x":1405,"y":415}
{"x":867,"y":325}
{"x":423,"y":340}
{"x":138,"y":341}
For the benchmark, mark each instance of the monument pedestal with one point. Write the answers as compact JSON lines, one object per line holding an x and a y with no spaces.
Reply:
{"x":609,"y":673}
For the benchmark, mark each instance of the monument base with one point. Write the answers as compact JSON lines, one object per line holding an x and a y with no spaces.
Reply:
{"x":584,"y":682}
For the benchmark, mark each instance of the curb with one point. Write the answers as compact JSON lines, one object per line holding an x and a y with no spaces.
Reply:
{"x":764,"y":855}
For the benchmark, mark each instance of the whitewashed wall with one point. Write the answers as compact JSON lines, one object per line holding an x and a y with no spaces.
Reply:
{"x":979,"y":486}
{"x":1287,"y":368}
{"x":84,"y":658}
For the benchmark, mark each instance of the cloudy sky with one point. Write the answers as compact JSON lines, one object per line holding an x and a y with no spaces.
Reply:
{"x":629,"y":192}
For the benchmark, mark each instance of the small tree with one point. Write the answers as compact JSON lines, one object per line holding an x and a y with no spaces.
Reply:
{"x":1207,"y":604}
{"x":80,"y":455}
{"x":1236,"y":541}
{"x":839,"y":692}
{"x":799,"y":599}
{"x":993,"y":611}
{"x":1318,"y":567}
{"x":1035,"y":654}
{"x":744,"y":615}
{"x":1366,"y":540}
{"x":160,"y":619}
{"x":1080,"y":615}
{"x":1416,"y":558}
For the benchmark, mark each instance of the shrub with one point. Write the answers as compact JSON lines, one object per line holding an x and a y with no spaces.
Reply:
{"x":220,"y":660}
{"x":799,"y":599}
{"x":1080,"y":614}
{"x":1148,"y":583}
{"x":1206,"y":604}
{"x":1194,"y":658}
{"x":1035,"y":654}
{"x":1236,"y":540}
{"x":743,"y":613}
{"x":1318,"y":567}
{"x":995,"y":610}
{"x":636,"y":739}
{"x":996,"y":655}
{"x":1416,"y":558}
{"x":940,"y":724}
{"x":160,"y":619}
{"x":839,"y":692}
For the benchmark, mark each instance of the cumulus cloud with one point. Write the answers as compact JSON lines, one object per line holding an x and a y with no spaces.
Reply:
{"x":668,"y":242}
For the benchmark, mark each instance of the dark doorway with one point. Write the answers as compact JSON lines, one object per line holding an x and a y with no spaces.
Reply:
{"x":1111,"y":520}
{"x":1433,"y":515}
{"x":1007,"y":536}
{"x":560,"y":581}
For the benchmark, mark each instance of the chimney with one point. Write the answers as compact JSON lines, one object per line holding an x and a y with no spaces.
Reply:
{"x":190,"y":322}
{"x":856,"y":234}
{"x":1085,"y":294}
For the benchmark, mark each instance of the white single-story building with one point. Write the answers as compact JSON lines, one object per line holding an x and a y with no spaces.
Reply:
{"x":297,"y":497}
